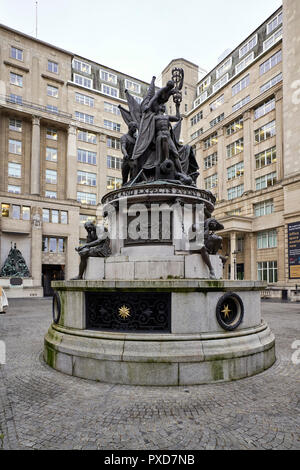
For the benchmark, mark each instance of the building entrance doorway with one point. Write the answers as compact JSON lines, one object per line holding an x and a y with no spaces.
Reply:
{"x":51,"y":272}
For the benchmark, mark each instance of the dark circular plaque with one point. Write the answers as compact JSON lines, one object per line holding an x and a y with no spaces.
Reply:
{"x":230,"y":311}
{"x":56,"y":308}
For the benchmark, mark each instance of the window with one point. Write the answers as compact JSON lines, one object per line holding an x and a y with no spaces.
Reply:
{"x":265,"y":108}
{"x":52,"y":91}
{"x":201,"y":98}
{"x":197,"y":133}
{"x":267,"y":271}
{"x":271,"y":83}
{"x":235,"y":171}
{"x":86,"y":198}
{"x":276,"y":21}
{"x":83,"y":81}
{"x":267,"y":239}
{"x":89,"y":179}
{"x":211,"y":140}
{"x":54,"y":216}
{"x":240,"y":104}
{"x":16,"y":212}
{"x":87,"y":218}
{"x":108,"y":77}
{"x":272,"y":40}
{"x":109,"y":90}
{"x":211,"y":160}
{"x":46,"y":215}
{"x":14,"y":189}
{"x":51,"y":194}
{"x":132,"y":86}
{"x":197,"y":118}
{"x":264,"y":208}
{"x":51,"y":176}
{"x":114,"y":126}
{"x":87,"y":118}
{"x":14,"y":170}
{"x":16,"y":99}
{"x":52,"y":109}
{"x":25,"y":213}
{"x":51,"y":154}
{"x":235,"y":126}
{"x":234,"y":212}
{"x":218,"y":119}
{"x":113,"y":183}
{"x":111,"y":108}
{"x":16,"y":53}
{"x":86,"y":136}
{"x":114,"y":162}
{"x":270,"y":63}
{"x":113,"y":143}
{"x":15,"y":125}
{"x":218,"y":102}
{"x":248,"y":46}
{"x":81,"y":66}
{"x":224,"y":68}
{"x":211,"y":181}
{"x":15,"y":146}
{"x":53,"y":245}
{"x":203,"y":86}
{"x":235,"y":192}
{"x":84,"y":99}
{"x":63,"y":217}
{"x":265,"y":181}
{"x":16,"y":79}
{"x":220,"y":83}
{"x":265,"y":132}
{"x":244,"y":63}
{"x":5,"y":210}
{"x":239,"y":86}
{"x":240,"y":244}
{"x":85,"y":156}
{"x":52,"y":66}
{"x":267,"y":157}
{"x":235,"y":148}
{"x":51,"y":134}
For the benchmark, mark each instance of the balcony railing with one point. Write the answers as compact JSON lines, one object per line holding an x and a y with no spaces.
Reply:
{"x":33,"y":106}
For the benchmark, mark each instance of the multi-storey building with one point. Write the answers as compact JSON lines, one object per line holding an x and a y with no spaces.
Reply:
{"x":60,"y":148}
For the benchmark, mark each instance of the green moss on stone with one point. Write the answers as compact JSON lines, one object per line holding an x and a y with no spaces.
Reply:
{"x":217,"y":370}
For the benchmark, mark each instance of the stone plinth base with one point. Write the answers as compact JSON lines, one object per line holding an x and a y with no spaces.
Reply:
{"x":193,"y":348}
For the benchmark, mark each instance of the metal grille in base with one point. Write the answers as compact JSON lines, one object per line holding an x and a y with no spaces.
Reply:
{"x":144,"y":312}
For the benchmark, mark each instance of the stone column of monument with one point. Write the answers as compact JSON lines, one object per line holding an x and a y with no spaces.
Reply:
{"x":71,"y":179}
{"x":222,"y":174}
{"x":248,"y":151}
{"x":35,"y":156}
{"x":36,"y":246}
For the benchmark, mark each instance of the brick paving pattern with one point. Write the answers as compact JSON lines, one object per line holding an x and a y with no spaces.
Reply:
{"x":44,"y":409}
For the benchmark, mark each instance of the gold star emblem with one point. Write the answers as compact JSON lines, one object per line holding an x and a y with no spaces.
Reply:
{"x":226,"y":311}
{"x":124,"y":312}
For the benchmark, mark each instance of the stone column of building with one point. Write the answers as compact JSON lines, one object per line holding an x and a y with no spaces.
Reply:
{"x":221,"y":149}
{"x":248,"y":151}
{"x":102,"y":166}
{"x":279,"y":132}
{"x":36,"y":246}
{"x":291,"y":86}
{"x":232,"y":256}
{"x":35,"y":156}
{"x":252,"y":261}
{"x":72,"y":257}
{"x":71,"y":173}
{"x":199,"y":153}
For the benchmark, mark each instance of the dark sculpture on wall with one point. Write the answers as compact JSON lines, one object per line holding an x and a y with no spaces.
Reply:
{"x":157,"y":154}
{"x":15,"y":265}
{"x":96,"y":247}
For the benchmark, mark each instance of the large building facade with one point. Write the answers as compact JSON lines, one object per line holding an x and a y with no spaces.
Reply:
{"x":60,"y":152}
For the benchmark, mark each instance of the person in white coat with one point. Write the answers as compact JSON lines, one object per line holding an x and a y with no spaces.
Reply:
{"x":3,"y":301}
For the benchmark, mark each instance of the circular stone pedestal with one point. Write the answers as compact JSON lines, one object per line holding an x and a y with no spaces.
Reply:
{"x":180,"y":338}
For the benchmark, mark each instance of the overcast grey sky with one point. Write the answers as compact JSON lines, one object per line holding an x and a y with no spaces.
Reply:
{"x":140,"y":37}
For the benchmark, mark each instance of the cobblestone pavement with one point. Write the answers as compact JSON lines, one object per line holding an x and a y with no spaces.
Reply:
{"x":44,"y":409}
